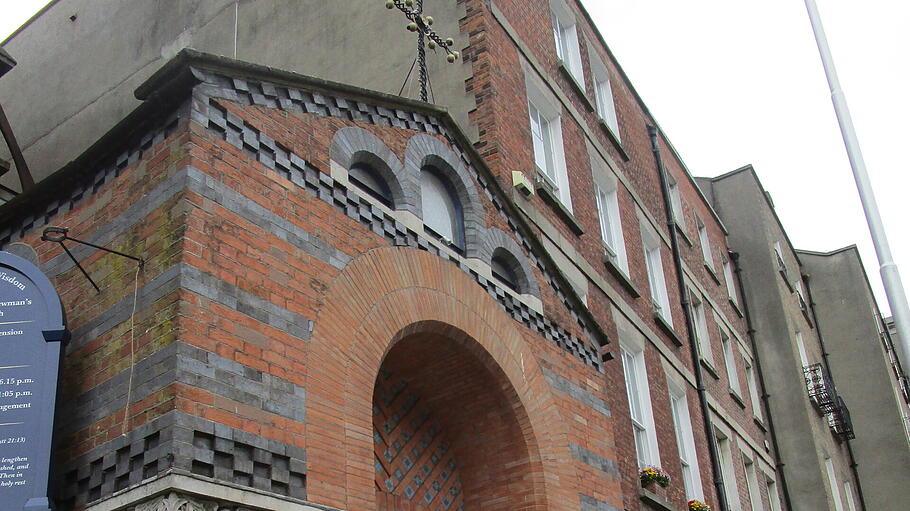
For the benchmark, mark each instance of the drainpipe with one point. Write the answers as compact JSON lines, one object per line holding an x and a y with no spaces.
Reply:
{"x":690,"y":325}
{"x":766,"y":403}
{"x":821,"y":343}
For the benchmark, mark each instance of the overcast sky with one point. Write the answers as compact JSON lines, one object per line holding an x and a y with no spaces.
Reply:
{"x":733,"y":82}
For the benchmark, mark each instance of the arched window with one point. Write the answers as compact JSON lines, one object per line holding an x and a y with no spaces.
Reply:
{"x":441,"y":208}
{"x":367,"y":179}
{"x":504,"y":271}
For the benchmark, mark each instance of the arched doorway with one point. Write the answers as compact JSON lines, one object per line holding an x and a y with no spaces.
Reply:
{"x":430,"y":324}
{"x":446,"y":433}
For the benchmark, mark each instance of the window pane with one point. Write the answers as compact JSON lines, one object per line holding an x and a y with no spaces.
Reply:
{"x":632,"y":391}
{"x":540,"y":157}
{"x":606,"y":227}
{"x":705,"y":245}
{"x":440,"y":207}
{"x":832,"y":483}
{"x":676,"y":204}
{"x":731,"y":284}
{"x":730,"y":362}
{"x":641,"y":446}
{"x":503,"y":272}
{"x":558,"y":37}
{"x":365,"y":177}
{"x":753,"y":389}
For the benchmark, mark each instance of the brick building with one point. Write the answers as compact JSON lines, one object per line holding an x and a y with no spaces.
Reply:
{"x":353,"y":300}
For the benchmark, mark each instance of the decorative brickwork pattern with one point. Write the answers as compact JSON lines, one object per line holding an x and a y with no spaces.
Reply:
{"x":356,"y":145}
{"x":413,"y":457}
{"x":240,"y":463}
{"x":248,"y":92}
{"x":267,"y":151}
{"x":42,"y":213}
{"x":191,"y":444}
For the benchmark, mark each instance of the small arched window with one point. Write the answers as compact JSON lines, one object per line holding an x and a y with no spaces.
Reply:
{"x":367,"y":179}
{"x":440,"y":206}
{"x":504,"y":270}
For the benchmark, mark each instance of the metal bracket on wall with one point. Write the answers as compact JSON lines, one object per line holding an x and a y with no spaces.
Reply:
{"x":60,"y":234}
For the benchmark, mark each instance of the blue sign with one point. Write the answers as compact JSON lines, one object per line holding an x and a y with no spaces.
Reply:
{"x":32,"y":330}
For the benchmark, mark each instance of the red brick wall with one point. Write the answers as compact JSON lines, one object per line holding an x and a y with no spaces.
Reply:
{"x":505,"y":140}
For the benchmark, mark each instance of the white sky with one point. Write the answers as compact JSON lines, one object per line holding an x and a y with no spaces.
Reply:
{"x":733,"y":82}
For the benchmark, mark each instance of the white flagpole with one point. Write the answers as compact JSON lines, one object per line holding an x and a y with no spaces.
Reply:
{"x":894,"y":289}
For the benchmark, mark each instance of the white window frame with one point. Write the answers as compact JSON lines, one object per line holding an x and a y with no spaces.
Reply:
{"x":752,"y":483}
{"x":565,"y":35}
{"x":800,"y":293}
{"x":801,"y":349}
{"x":606,"y":192}
{"x":779,"y":253}
{"x":701,"y":327}
{"x":832,"y":485}
{"x":773,"y":496}
{"x":603,"y":92}
{"x":727,"y":342}
{"x":730,"y":280}
{"x":440,"y":208}
{"x":657,"y":284}
{"x":544,"y":118}
{"x":639,"y":396}
{"x":676,"y":201}
{"x":848,"y":492}
{"x":752,"y":383}
{"x":727,"y":472}
{"x":685,"y":442}
{"x":705,"y":244}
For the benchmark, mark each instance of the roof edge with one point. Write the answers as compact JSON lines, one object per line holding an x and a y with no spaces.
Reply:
{"x":750,"y":169}
{"x":836,"y":251}
{"x":189,"y":58}
{"x":30,"y":21}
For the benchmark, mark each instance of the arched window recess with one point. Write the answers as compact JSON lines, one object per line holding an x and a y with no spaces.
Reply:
{"x":443,"y":216}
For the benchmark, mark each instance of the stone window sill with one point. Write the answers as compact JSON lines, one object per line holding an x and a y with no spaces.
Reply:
{"x":564,"y":214}
{"x":614,"y":139}
{"x":622,"y":276}
{"x":712,"y":273}
{"x":708,"y":366}
{"x":579,"y":87}
{"x":736,"y":397}
{"x":681,"y":229}
{"x":735,"y":306}
{"x":668,"y":329}
{"x":655,"y":501}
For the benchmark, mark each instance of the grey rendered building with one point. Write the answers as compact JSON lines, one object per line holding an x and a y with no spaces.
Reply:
{"x":860,"y":357}
{"x":806,"y":340}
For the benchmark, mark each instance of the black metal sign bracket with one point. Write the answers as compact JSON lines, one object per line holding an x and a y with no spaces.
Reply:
{"x":61,"y":234}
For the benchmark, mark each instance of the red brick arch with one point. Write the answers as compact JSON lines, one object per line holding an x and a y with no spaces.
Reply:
{"x":390,"y":294}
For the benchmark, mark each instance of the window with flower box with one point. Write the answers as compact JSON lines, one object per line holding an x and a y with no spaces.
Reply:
{"x":685,"y":443}
{"x":636,"y":379}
